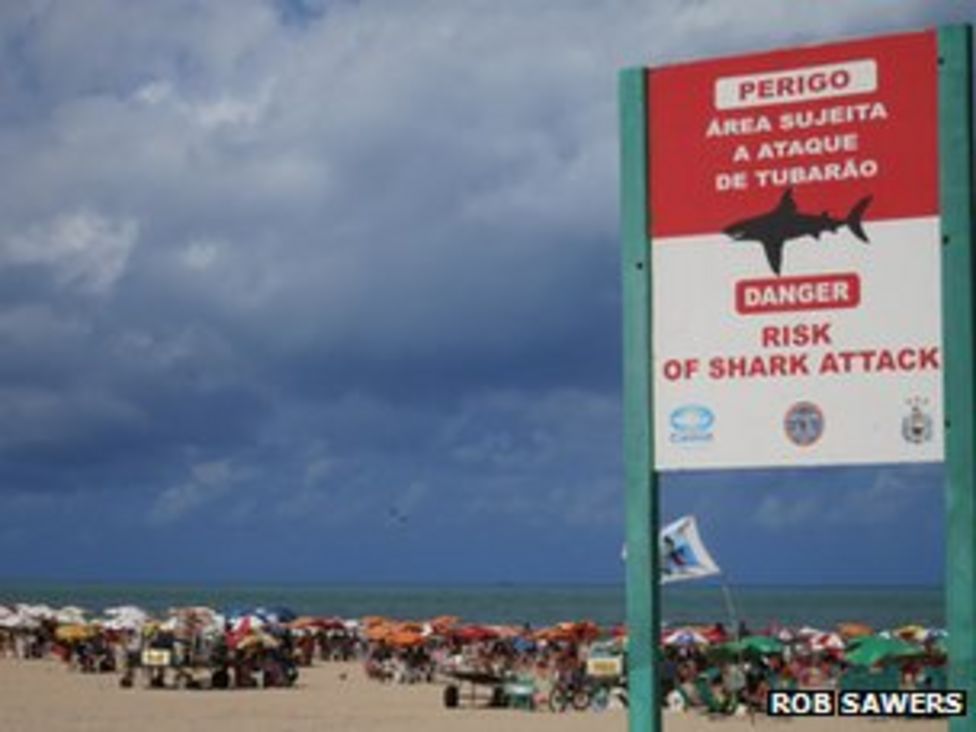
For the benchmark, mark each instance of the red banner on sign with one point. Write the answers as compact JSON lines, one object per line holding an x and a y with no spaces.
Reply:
{"x":791,"y":294}
{"x":839,"y":125}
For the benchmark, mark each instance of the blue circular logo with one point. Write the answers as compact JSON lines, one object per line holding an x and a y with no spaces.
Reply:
{"x":692,"y":418}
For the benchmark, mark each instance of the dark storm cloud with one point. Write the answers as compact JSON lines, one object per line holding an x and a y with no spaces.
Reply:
{"x":289,"y":261}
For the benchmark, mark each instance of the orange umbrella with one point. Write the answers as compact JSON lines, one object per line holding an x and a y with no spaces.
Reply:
{"x":405,"y":638}
{"x":443,"y":623}
{"x":379,"y":631}
{"x":854,"y":630}
{"x":582,"y":631}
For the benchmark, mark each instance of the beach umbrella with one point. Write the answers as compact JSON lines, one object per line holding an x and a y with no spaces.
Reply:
{"x":254,"y":640}
{"x":507,"y":632}
{"x":275,"y":614}
{"x":912,"y":633}
{"x":753,"y":645}
{"x":716,"y":634}
{"x":312,"y":623}
{"x":854,"y":630}
{"x":587,"y":630}
{"x":584,"y":630}
{"x":825,"y":642}
{"x":786,"y":635}
{"x":125,"y":617}
{"x":74,"y":633}
{"x":37,"y":612}
{"x":474,"y":633}
{"x":404,"y":638}
{"x":683,"y":637}
{"x":442,"y":624}
{"x":70,"y":615}
{"x":305,"y":621}
{"x":243,"y":627}
{"x":379,"y":631}
{"x":553,"y":633}
{"x":17,"y":620}
{"x":247,"y":624}
{"x":871,"y":650}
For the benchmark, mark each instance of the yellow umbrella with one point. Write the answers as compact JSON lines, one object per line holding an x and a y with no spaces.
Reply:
{"x":257,"y":640}
{"x":914,"y":633}
{"x":74,"y":633}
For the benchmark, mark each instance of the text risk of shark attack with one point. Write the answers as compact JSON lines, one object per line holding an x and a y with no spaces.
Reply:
{"x":804,"y":363}
{"x":785,"y":363}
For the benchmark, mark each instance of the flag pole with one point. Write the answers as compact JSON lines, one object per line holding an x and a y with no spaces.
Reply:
{"x":730,"y":606}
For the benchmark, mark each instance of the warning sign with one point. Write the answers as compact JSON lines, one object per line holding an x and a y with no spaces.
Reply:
{"x":796,"y":258}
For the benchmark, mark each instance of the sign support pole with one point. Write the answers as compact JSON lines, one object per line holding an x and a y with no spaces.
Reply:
{"x":643,"y":607}
{"x":958,"y":276}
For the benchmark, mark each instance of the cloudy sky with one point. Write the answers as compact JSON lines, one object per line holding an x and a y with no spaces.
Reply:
{"x":328,"y":290}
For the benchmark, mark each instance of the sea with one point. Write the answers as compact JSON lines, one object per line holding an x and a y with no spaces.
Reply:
{"x":538,"y":605}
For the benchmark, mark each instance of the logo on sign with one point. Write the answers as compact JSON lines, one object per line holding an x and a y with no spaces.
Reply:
{"x":916,"y":426}
{"x":804,"y":423}
{"x":692,"y":424}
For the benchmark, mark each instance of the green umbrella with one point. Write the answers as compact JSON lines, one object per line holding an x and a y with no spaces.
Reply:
{"x":877,"y":649}
{"x":753,"y":645}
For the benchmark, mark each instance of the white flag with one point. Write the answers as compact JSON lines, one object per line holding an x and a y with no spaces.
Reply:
{"x":683,"y":555}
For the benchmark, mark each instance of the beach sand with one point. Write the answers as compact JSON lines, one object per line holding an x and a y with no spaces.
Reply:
{"x":43,"y":696}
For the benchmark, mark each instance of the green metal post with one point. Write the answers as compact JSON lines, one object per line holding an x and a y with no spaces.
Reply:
{"x":643,"y":615}
{"x":958,"y":277}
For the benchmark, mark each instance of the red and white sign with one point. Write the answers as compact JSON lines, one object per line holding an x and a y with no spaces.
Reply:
{"x":796,"y":257}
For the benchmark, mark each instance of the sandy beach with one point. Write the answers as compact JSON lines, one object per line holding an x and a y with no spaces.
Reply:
{"x":43,"y":696}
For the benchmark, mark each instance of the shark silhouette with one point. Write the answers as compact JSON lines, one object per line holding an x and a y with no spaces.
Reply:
{"x":784,"y":222}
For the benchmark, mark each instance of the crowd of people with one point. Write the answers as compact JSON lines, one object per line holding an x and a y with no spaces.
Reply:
{"x":568,"y":665}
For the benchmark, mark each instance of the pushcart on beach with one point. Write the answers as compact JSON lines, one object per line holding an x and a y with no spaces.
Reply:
{"x":475,"y":681}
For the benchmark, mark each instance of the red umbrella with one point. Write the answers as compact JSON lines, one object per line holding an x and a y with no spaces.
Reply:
{"x":474,"y":633}
{"x":715,"y":635}
{"x":317,"y":623}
